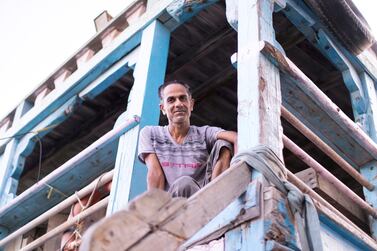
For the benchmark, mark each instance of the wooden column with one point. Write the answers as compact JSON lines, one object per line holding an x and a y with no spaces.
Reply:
{"x":369,"y":171}
{"x":259,"y":101}
{"x":129,"y":174}
{"x":6,"y":168}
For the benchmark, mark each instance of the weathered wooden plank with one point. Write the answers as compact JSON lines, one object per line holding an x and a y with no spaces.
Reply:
{"x":259,"y":101}
{"x":107,"y":79}
{"x":6,"y":168}
{"x":183,"y":10}
{"x":369,"y":171}
{"x":246,"y":207}
{"x":130,"y":174}
{"x":158,"y":240}
{"x":181,"y":221}
{"x":327,"y":190}
{"x":308,"y":23}
{"x":72,"y":175}
{"x":126,"y":41}
{"x":325,"y":148}
{"x":301,"y":94}
{"x":333,"y":216}
{"x":21,"y":109}
{"x":208,"y":202}
{"x":146,"y":206}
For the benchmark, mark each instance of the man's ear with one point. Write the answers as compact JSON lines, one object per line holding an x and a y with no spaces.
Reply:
{"x":192,"y":104}
{"x":162,"y":109}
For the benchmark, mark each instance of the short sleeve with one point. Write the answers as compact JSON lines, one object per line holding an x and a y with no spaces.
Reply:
{"x":211,"y":134}
{"x":145,"y":143}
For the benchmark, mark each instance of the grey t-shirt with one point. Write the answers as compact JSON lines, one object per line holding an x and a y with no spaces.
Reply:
{"x":177,"y":160}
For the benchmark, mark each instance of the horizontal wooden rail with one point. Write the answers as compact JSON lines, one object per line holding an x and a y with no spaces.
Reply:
{"x":307,"y":159}
{"x":33,"y":201}
{"x":59,"y":229}
{"x":326,"y":149}
{"x":331,"y":212}
{"x":361,"y":148}
{"x":58,"y":208}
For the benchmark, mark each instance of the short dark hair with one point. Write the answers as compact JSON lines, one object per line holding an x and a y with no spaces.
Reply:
{"x":164,"y":85}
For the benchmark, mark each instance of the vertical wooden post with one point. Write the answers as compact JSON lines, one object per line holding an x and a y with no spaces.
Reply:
{"x":369,"y":170}
{"x":130,"y":175}
{"x":259,"y":101}
{"x":5,"y":168}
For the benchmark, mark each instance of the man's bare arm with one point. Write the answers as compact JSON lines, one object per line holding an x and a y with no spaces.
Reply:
{"x":229,"y":136}
{"x":155,"y":176}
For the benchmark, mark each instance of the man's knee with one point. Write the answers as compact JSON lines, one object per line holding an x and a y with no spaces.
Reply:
{"x":184,"y":186}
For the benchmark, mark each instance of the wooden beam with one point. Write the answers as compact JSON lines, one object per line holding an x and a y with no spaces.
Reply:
{"x":301,"y":97}
{"x":163,"y":223}
{"x":199,"y":50}
{"x":259,"y":101}
{"x":327,"y":190}
{"x":130,"y":174}
{"x":72,"y":175}
{"x":369,"y":171}
{"x":331,"y":216}
{"x":79,"y":79}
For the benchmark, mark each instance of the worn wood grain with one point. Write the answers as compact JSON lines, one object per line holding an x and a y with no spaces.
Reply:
{"x":208,"y":202}
{"x":157,"y":221}
{"x":323,"y":187}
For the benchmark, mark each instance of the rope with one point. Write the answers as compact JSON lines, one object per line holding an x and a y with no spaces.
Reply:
{"x":264,"y":160}
{"x":78,"y":225}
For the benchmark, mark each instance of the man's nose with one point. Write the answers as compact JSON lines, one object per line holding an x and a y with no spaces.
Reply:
{"x":178,"y":102}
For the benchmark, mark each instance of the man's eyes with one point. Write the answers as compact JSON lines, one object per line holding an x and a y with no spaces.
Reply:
{"x":181,"y":98}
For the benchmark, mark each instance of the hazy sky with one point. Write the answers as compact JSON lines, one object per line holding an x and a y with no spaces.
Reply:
{"x":37,"y":36}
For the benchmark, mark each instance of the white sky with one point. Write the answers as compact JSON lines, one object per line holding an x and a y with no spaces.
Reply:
{"x":37,"y":36}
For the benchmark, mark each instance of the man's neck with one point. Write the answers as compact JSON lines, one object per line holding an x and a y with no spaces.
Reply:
{"x":179,"y":131}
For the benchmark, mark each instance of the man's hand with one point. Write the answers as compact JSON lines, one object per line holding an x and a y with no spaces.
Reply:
{"x":155,"y":176}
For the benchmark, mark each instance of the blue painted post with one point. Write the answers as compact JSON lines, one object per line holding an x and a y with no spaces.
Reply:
{"x":259,"y":101}
{"x":369,"y":170}
{"x":6,"y":168}
{"x":129,"y":174}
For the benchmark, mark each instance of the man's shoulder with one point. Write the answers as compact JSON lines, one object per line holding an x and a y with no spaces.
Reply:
{"x":203,"y":129}
{"x":152,"y":130}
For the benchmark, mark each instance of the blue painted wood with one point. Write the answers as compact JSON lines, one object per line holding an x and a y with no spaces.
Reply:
{"x":369,"y":171}
{"x":301,"y":103}
{"x":302,"y":99}
{"x":21,"y":110}
{"x":6,"y":167}
{"x":229,"y":217}
{"x":349,"y":73}
{"x":124,"y":43}
{"x":335,"y":237}
{"x":107,"y":79}
{"x":129,"y":174}
{"x":247,"y":237}
{"x":79,"y":80}
{"x":344,"y":62}
{"x":259,"y":104}
{"x":77,"y":172}
{"x":28,"y":142}
{"x":183,"y":10}
{"x":308,"y":23}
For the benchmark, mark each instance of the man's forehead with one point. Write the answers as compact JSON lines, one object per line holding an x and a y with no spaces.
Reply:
{"x":174,"y":90}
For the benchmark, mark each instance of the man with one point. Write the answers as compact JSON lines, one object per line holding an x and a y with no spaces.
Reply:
{"x":182,"y":158}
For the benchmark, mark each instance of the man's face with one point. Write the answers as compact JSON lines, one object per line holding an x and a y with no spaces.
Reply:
{"x":176,"y":104}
